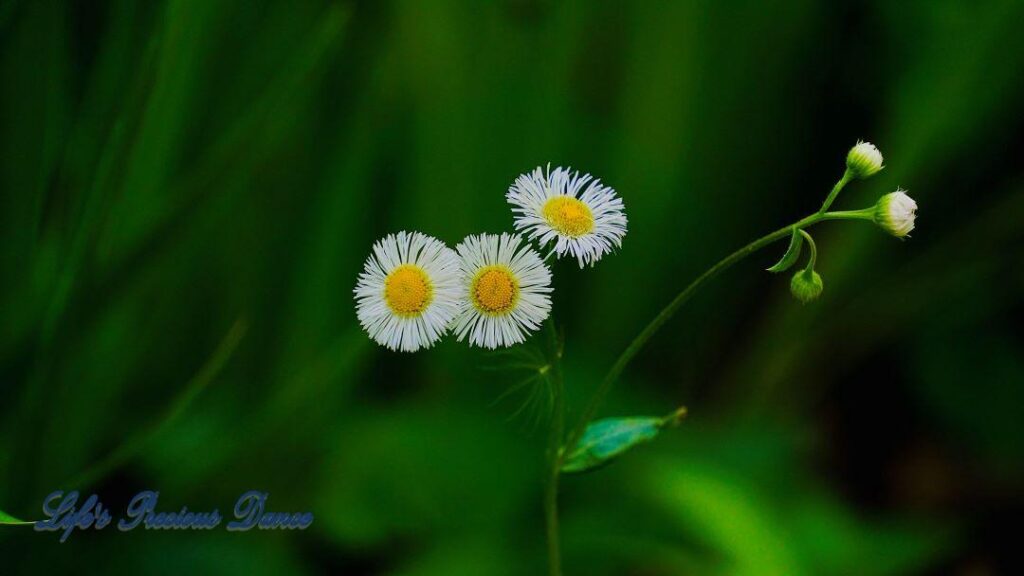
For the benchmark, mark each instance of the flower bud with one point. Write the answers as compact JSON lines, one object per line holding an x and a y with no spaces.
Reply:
{"x":864,"y":159}
{"x":806,"y":286}
{"x":895,"y":213}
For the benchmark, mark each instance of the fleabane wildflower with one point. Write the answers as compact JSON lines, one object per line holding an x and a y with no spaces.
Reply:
{"x":583,"y":217}
{"x":408,"y":292}
{"x":864,"y":159}
{"x":895,"y":213}
{"x":505,"y":290}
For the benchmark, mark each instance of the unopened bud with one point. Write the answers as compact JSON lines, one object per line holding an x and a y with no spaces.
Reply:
{"x":864,"y":160}
{"x":895,"y":213}
{"x":806,"y":286}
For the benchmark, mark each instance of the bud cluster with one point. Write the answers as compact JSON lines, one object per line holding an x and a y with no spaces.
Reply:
{"x":895,"y":213}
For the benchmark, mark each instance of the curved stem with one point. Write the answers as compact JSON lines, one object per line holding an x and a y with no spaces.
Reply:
{"x":814,"y":250}
{"x":556,"y":453}
{"x":638,"y":343}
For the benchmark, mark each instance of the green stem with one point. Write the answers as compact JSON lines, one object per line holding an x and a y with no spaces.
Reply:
{"x":847,"y":176}
{"x":814,"y":250}
{"x":638,"y":343}
{"x":554,"y":459}
{"x":863,"y":214}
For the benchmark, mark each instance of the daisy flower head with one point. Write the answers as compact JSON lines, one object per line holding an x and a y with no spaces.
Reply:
{"x":408,"y":291}
{"x":505,"y":290}
{"x":584,"y":218}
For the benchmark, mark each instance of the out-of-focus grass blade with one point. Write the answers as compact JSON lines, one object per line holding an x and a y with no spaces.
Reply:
{"x":300,"y":407}
{"x":34,"y":112}
{"x":728,"y":516}
{"x":306,"y":389}
{"x":135,"y":443}
{"x":238,"y":150}
{"x":102,"y":133}
{"x":236,"y":153}
{"x":341,"y":216}
{"x":230,"y":145}
{"x":34,"y":70}
{"x":35,"y":107}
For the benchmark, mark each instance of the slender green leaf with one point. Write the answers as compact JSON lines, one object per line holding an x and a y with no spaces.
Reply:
{"x":7,"y":519}
{"x":791,"y":255}
{"x":604,"y":440}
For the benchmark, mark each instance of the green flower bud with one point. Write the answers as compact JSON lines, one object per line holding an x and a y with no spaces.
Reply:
{"x":806,"y":286}
{"x":895,"y":213}
{"x":864,"y":160}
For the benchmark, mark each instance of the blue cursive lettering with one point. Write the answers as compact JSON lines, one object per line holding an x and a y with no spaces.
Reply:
{"x":142,"y":508}
{"x":250,"y":513}
{"x":65,"y":516}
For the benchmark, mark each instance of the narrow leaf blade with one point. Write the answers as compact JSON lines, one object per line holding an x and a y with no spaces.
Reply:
{"x":791,"y":255}
{"x":7,"y":519}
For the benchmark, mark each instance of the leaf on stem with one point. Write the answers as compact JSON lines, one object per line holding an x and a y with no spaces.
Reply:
{"x":791,"y":255}
{"x":605,"y":439}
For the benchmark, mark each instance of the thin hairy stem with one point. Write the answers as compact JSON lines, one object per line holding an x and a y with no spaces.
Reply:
{"x":847,"y":176}
{"x":814,"y":250}
{"x":641,"y":340}
{"x":865,"y":214}
{"x":554,"y":376}
{"x":556,"y":452}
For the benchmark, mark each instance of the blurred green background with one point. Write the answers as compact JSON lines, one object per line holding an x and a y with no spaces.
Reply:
{"x":188,"y":190}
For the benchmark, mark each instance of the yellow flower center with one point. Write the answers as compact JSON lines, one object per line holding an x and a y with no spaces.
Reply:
{"x":569,"y":216}
{"x":407,"y":290}
{"x":494,"y":290}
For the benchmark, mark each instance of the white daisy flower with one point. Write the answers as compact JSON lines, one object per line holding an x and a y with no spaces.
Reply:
{"x":408,"y":291}
{"x":551,"y":206}
{"x":505,"y":290}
